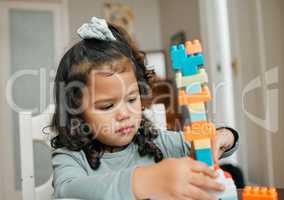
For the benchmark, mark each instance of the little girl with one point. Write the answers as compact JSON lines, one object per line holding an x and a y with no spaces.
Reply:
{"x":105,"y":148}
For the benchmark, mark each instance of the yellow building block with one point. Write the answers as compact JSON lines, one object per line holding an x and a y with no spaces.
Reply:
{"x":202,"y":144}
{"x":201,"y":77}
{"x":197,"y":108}
{"x":178,"y":79}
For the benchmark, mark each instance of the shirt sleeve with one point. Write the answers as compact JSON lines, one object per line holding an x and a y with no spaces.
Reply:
{"x":235,"y":146}
{"x":172,"y":144}
{"x":72,"y":181}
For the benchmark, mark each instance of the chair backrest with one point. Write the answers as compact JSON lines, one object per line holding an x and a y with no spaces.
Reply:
{"x":30,"y":129}
{"x":157,"y":114}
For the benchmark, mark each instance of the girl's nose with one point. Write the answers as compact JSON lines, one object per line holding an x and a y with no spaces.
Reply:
{"x":122,"y":114}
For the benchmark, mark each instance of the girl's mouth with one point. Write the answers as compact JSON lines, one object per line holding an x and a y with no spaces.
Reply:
{"x":125,"y":129}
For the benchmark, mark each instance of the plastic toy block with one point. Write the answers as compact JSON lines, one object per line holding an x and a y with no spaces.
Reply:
{"x":193,"y":114}
{"x":259,"y":193}
{"x":193,"y":47}
{"x":201,"y":77}
{"x":192,"y":64}
{"x":204,"y":96}
{"x":202,"y":144}
{"x":199,"y":131}
{"x":193,"y":88}
{"x":195,"y":117}
{"x":178,"y":79}
{"x":188,"y":65}
{"x":182,"y":98}
{"x":197,"y":108}
{"x":189,"y":69}
{"x":185,"y":115}
{"x":178,"y":54}
{"x":204,"y":155}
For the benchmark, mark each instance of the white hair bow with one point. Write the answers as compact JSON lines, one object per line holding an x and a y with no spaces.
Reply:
{"x":97,"y":28}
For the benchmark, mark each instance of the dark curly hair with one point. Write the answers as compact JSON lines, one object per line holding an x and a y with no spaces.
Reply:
{"x":76,"y":64}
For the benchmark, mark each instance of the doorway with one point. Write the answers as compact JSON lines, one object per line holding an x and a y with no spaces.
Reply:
{"x":32,"y":38}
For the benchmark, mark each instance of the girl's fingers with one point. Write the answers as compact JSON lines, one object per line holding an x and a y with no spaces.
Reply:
{"x":201,"y":180}
{"x":202,"y":168}
{"x":198,"y":194}
{"x":186,"y":197}
{"x":215,"y":150}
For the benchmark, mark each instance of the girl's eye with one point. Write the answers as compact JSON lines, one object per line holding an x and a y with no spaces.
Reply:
{"x":106,"y":107}
{"x":131,"y":100}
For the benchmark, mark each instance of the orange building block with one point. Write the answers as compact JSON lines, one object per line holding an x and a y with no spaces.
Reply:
{"x":199,"y":130}
{"x":193,"y":47}
{"x":185,"y":99}
{"x":259,"y":193}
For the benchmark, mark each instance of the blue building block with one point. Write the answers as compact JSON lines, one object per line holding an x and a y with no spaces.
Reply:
{"x":178,"y":55}
{"x":189,"y":67}
{"x":192,"y":64}
{"x":204,"y":155}
{"x":187,"y":64}
{"x":193,"y":89}
{"x":197,"y":116}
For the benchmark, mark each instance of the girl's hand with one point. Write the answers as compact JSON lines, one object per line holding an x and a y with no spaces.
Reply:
{"x":224,"y":141}
{"x":183,"y":179}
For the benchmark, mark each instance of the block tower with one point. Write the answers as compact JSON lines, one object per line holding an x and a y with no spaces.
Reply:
{"x":193,"y":94}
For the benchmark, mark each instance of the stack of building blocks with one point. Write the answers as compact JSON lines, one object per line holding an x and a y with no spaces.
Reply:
{"x":191,"y":80}
{"x":260,"y":193}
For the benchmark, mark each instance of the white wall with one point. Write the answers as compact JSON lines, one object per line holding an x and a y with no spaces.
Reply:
{"x":274,"y":47}
{"x":181,"y":15}
{"x":252,"y":136}
{"x":258,"y":51}
{"x":147,"y":24}
{"x":147,"y":30}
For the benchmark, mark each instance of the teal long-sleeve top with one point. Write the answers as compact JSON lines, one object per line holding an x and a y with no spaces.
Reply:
{"x":74,"y":178}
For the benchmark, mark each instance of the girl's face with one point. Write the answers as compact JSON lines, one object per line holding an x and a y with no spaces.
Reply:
{"x":112,"y":104}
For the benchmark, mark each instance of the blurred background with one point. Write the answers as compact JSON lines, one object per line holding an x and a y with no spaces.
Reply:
{"x":243,"y":45}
